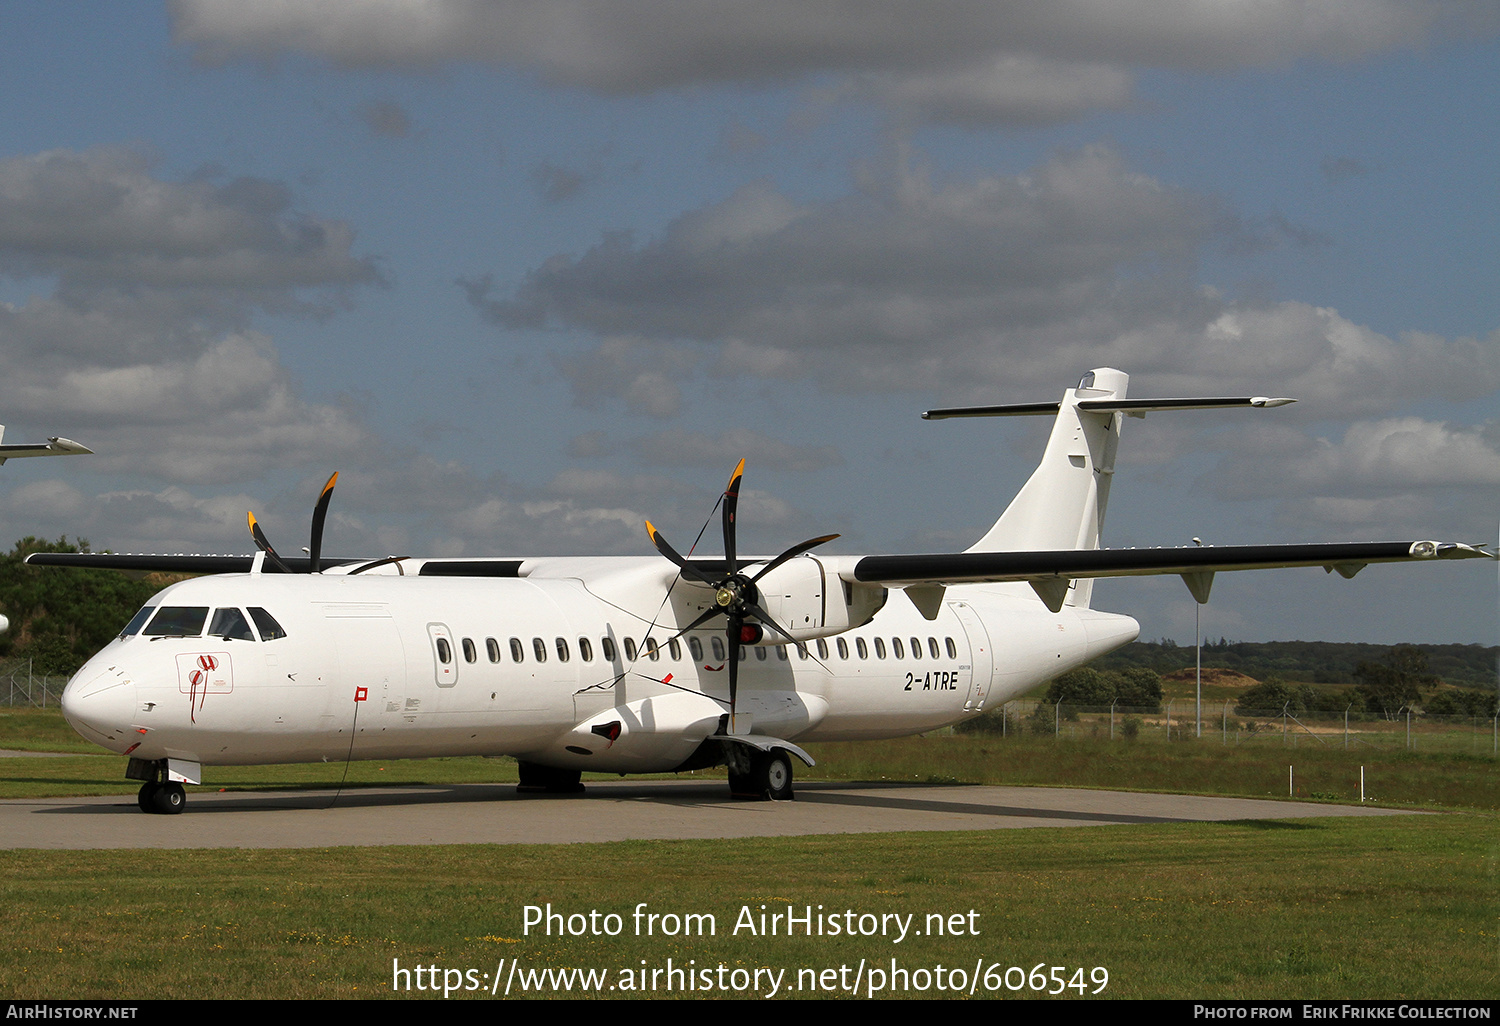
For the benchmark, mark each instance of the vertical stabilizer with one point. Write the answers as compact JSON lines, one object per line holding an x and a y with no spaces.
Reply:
{"x":1062,"y":505}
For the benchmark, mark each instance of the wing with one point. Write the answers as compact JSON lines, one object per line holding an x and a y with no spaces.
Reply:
{"x":1049,"y":572}
{"x":206,"y":563}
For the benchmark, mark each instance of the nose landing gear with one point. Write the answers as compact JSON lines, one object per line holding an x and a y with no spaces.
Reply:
{"x":157,"y":795}
{"x":166,"y":799}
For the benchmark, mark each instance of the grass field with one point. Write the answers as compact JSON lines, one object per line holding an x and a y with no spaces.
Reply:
{"x":1401,"y":907}
{"x":1333,"y":908}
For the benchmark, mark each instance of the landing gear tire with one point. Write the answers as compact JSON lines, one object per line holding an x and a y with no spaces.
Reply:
{"x":769,"y":778}
{"x":146,"y":796}
{"x":169,"y":799}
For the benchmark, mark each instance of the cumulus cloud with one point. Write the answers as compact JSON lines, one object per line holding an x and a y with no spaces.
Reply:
{"x":984,"y":290}
{"x":977,"y":62}
{"x":99,"y":222}
{"x":142,"y":342}
{"x":699,"y":449}
{"x":898,"y":264}
{"x":642,"y":373}
{"x":1396,"y":453}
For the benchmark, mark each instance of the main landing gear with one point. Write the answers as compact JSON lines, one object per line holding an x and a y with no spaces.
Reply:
{"x":157,"y":795}
{"x":761,"y":776}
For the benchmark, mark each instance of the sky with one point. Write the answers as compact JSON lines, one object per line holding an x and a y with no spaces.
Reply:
{"x":527,"y":272}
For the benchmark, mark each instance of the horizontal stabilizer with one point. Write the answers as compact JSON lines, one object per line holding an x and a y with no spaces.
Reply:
{"x":1134,"y":407}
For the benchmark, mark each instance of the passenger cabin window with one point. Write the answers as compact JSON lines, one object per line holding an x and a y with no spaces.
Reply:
{"x":444,"y":651}
{"x":607,"y":646}
{"x":896,"y":649}
{"x":932,"y":648}
{"x":760,"y":652}
{"x":781,"y":653}
{"x":718,"y":646}
{"x":630,"y":649}
{"x":517,"y":650}
{"x":470,"y":653}
{"x":822,"y":649}
{"x":539,"y":648}
{"x":585,"y":650}
{"x":138,"y":621}
{"x":178,"y":622}
{"x":562,"y":650}
{"x":860,"y":647}
{"x":231,"y":625}
{"x":952,"y":648}
{"x":916,"y":648}
{"x":269,"y":629}
{"x":652,"y":652}
{"x":801,"y":650}
{"x":843,"y":647}
{"x":695,"y":647}
{"x":879,"y":648}
{"x":674,"y":648}
{"x":492,"y":649}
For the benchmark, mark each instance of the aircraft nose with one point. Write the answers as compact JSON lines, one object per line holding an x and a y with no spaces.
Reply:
{"x":100,"y":705}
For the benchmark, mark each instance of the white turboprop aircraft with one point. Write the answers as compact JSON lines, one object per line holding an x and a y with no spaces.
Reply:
{"x":639,"y":664}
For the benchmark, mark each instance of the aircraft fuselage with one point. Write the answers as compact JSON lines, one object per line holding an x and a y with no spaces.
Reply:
{"x":383,"y":667}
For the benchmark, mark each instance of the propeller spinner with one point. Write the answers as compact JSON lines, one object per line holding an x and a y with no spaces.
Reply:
{"x":735,"y":595}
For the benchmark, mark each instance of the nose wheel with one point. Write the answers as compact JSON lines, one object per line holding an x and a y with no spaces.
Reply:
{"x":166,"y":799}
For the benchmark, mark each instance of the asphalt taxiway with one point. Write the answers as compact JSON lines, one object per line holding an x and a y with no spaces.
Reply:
{"x":610,"y":811}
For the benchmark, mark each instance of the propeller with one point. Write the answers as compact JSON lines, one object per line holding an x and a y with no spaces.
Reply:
{"x":735,"y":595}
{"x":315,"y":546}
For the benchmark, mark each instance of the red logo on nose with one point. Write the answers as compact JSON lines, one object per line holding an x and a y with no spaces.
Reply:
{"x":208,"y":662}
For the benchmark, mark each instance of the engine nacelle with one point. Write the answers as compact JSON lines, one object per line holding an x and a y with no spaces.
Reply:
{"x":811,"y":602}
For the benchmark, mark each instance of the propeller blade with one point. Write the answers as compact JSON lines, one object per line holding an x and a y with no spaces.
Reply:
{"x":320,"y":513}
{"x":264,"y":545}
{"x":707,"y":616}
{"x":765,"y":617}
{"x":666,"y":550}
{"x":731,"y":506}
{"x":795,"y":550}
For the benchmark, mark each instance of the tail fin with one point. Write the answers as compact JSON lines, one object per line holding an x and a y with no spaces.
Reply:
{"x":1062,"y":505}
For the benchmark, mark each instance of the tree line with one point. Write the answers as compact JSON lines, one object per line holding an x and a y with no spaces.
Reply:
{"x":59,"y":617}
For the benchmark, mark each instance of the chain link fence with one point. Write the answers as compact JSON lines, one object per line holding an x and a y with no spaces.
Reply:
{"x":1222,"y":723}
{"x":20,"y":686}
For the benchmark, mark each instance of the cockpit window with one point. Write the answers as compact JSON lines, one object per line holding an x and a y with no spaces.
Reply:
{"x":231,"y":625}
{"x":178,"y":621}
{"x":270,"y":630}
{"x":138,"y":621}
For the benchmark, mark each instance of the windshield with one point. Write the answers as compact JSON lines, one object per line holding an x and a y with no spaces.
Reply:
{"x":178,"y":621}
{"x":137,"y":621}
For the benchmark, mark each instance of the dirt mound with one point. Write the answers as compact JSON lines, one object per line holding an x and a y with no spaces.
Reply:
{"x":1217,"y":676}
